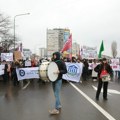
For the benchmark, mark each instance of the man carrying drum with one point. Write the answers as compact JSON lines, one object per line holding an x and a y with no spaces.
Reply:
{"x":58,"y":83}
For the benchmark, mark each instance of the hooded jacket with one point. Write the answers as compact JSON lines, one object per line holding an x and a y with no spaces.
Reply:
{"x":61,"y":65}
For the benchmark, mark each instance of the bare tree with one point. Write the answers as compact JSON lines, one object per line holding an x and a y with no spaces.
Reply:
{"x":114,"y":49}
{"x":7,"y":43}
{"x":6,"y":38}
{"x":5,"y":25}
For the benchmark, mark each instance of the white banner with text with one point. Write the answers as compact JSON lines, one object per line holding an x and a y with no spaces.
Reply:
{"x":27,"y":73}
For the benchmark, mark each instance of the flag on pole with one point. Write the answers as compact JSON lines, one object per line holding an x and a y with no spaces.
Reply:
{"x":68,"y":44}
{"x":101,"y":49}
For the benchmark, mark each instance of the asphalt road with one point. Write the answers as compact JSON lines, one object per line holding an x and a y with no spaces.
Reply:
{"x":78,"y":102}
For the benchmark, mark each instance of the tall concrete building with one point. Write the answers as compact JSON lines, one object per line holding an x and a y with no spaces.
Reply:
{"x":55,"y":39}
{"x":42,"y":52}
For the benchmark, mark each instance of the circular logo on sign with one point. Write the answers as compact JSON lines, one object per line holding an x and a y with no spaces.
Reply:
{"x":22,"y":72}
{"x":73,"y":70}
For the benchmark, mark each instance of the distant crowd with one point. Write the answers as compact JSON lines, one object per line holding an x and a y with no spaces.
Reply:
{"x":10,"y":68}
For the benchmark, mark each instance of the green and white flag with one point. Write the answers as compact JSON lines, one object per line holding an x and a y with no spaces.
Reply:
{"x":101,"y":49}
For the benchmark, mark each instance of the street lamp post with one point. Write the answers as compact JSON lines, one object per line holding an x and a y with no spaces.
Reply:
{"x":14,"y":25}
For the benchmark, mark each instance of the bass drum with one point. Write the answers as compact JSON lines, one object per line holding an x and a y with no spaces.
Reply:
{"x":52,"y":67}
{"x":43,"y":71}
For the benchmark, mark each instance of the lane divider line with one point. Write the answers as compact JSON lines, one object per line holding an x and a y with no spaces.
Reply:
{"x":26,"y":85}
{"x":105,"y":113}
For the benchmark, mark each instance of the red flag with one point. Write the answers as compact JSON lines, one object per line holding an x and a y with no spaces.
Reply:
{"x":68,"y":44}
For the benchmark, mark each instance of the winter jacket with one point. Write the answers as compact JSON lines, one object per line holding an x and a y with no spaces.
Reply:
{"x":102,"y":66}
{"x":61,"y":65}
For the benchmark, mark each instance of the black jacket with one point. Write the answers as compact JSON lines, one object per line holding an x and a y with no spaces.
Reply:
{"x":100,"y":67}
{"x":6,"y":67}
{"x":61,"y":65}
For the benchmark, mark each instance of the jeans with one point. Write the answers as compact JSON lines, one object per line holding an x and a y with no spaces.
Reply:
{"x":56,"y":89}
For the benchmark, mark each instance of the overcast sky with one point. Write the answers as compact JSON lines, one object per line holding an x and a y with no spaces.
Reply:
{"x":90,"y":21}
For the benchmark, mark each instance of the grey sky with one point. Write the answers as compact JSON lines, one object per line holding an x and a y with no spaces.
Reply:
{"x":90,"y":21}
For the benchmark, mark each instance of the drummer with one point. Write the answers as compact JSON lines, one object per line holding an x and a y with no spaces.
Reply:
{"x":58,"y":83}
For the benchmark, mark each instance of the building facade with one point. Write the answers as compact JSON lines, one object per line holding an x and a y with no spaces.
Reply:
{"x":42,"y":52}
{"x":75,"y":49}
{"x":56,"y":39}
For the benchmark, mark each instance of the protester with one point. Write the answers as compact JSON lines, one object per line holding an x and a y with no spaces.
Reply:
{"x":80,"y":61}
{"x":14,"y":78}
{"x":66,"y":59}
{"x":73,"y":60}
{"x":58,"y":83}
{"x":33,"y":63}
{"x":103,"y":67}
{"x":94,"y":74}
{"x":85,"y":69}
{"x":6,"y":72}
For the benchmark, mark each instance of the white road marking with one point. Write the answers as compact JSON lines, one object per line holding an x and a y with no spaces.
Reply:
{"x":95,"y":88}
{"x":105,"y":113}
{"x":109,"y":90}
{"x":26,"y":85}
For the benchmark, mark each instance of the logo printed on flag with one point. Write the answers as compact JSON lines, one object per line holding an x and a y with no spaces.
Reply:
{"x":72,"y":70}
